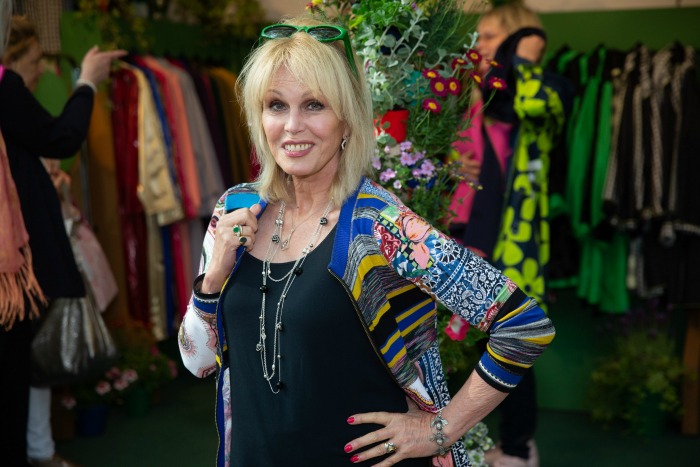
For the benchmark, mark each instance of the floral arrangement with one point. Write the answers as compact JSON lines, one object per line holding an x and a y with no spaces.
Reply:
{"x":138,"y":368}
{"x":90,"y":393}
{"x":145,"y":368}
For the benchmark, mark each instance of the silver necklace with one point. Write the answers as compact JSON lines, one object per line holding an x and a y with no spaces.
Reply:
{"x":273,"y":367}
{"x":285,"y":243}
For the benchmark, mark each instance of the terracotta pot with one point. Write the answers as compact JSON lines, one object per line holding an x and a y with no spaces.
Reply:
{"x":397,"y":120}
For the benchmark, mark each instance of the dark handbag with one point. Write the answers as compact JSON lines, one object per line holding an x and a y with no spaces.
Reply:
{"x":72,"y":344}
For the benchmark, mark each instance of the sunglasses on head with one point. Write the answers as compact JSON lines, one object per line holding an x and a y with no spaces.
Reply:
{"x":322,"y":33}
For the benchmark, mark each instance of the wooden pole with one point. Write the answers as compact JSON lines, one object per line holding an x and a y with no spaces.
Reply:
{"x":691,"y":384}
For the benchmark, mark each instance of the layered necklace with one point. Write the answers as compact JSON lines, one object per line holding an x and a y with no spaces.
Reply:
{"x":272,"y":368}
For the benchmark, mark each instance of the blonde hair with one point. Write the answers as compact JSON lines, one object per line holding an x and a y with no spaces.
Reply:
{"x":5,"y":15}
{"x":22,"y":37}
{"x":324,"y":68}
{"x":514,"y":15}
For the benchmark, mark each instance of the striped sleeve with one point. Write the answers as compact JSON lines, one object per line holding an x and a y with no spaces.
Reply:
{"x":518,"y":336}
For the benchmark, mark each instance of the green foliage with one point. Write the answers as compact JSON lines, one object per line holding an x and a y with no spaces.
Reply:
{"x":117,"y":22}
{"x":152,"y":367}
{"x":225,"y":18}
{"x":642,"y":364}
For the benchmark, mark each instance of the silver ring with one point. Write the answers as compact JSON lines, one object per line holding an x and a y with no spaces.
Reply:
{"x":237,"y":230}
{"x":389,"y":447}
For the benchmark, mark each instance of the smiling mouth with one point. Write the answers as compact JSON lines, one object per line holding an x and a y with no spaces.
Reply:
{"x":296,"y":147}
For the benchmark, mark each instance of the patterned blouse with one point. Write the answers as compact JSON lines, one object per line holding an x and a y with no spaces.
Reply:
{"x":394,"y":267}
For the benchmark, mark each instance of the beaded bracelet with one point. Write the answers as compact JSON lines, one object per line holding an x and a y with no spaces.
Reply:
{"x":439,"y":437}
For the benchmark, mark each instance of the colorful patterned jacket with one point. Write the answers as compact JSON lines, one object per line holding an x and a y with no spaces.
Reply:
{"x":394,"y":266}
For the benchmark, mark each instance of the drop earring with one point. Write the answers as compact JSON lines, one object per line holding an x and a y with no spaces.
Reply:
{"x":344,"y":143}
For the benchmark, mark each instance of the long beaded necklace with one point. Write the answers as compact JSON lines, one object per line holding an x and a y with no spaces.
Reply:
{"x":274,"y":366}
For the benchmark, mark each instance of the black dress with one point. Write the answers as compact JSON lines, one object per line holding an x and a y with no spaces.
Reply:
{"x":329,"y":369}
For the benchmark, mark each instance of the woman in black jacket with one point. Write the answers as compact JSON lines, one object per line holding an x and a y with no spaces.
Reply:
{"x":30,"y":133}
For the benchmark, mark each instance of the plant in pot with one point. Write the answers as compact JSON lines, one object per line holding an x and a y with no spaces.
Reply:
{"x":92,"y":399}
{"x":638,"y":383}
{"x":138,"y":377}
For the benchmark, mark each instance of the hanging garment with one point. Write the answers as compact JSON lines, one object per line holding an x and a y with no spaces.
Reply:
{"x":522,"y":249}
{"x":601,"y":278}
{"x":564,"y":256}
{"x":185,"y":164}
{"x":102,"y":169}
{"x":207,"y":168}
{"x":684,"y":189}
{"x":125,"y":95}
{"x":236,"y":129}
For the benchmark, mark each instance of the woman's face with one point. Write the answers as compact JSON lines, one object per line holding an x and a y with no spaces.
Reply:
{"x":29,"y":66}
{"x":491,"y":36}
{"x":302,"y":130}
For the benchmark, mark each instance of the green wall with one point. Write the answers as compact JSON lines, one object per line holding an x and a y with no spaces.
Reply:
{"x":655,"y":28}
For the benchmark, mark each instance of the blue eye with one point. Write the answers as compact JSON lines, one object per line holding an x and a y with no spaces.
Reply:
{"x":276,"y":106}
{"x":315,"y":105}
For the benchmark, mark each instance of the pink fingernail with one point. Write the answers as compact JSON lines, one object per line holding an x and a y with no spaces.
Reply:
{"x":351,"y":419}
{"x":348,"y":447}
{"x":354,"y":459}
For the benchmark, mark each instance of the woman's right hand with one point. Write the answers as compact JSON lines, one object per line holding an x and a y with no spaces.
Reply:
{"x":96,"y":64}
{"x":471,"y":168}
{"x":227,"y":242}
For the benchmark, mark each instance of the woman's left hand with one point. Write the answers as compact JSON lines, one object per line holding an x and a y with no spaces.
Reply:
{"x":409,"y":432}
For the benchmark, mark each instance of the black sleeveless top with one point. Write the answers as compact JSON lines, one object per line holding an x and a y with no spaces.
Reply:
{"x":329,"y":369}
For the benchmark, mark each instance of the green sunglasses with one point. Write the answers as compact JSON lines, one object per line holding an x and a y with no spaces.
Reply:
{"x":322,"y":33}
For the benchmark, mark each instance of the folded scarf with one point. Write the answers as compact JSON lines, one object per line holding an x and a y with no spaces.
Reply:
{"x":17,"y":280}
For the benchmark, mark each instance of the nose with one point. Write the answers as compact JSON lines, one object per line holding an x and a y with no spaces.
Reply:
{"x":295,"y":122}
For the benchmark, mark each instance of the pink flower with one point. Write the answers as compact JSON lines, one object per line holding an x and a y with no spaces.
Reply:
{"x":473,"y":56}
{"x":68,"y":402}
{"x":430,"y":73}
{"x":387,"y":175}
{"x":458,"y":62}
{"x":432,"y":105}
{"x":130,"y":375}
{"x":457,"y":328}
{"x":397,"y":185}
{"x":454,"y":86}
{"x":376,"y":163}
{"x":476,"y":77}
{"x":113,"y":373}
{"x":497,"y":83}
{"x":102,"y":388}
{"x":438,"y":86}
{"x":427,"y":168}
{"x":121,"y":384}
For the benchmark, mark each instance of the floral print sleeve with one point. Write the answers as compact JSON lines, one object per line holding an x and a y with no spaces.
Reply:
{"x":470,"y":287}
{"x":197,"y":337}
